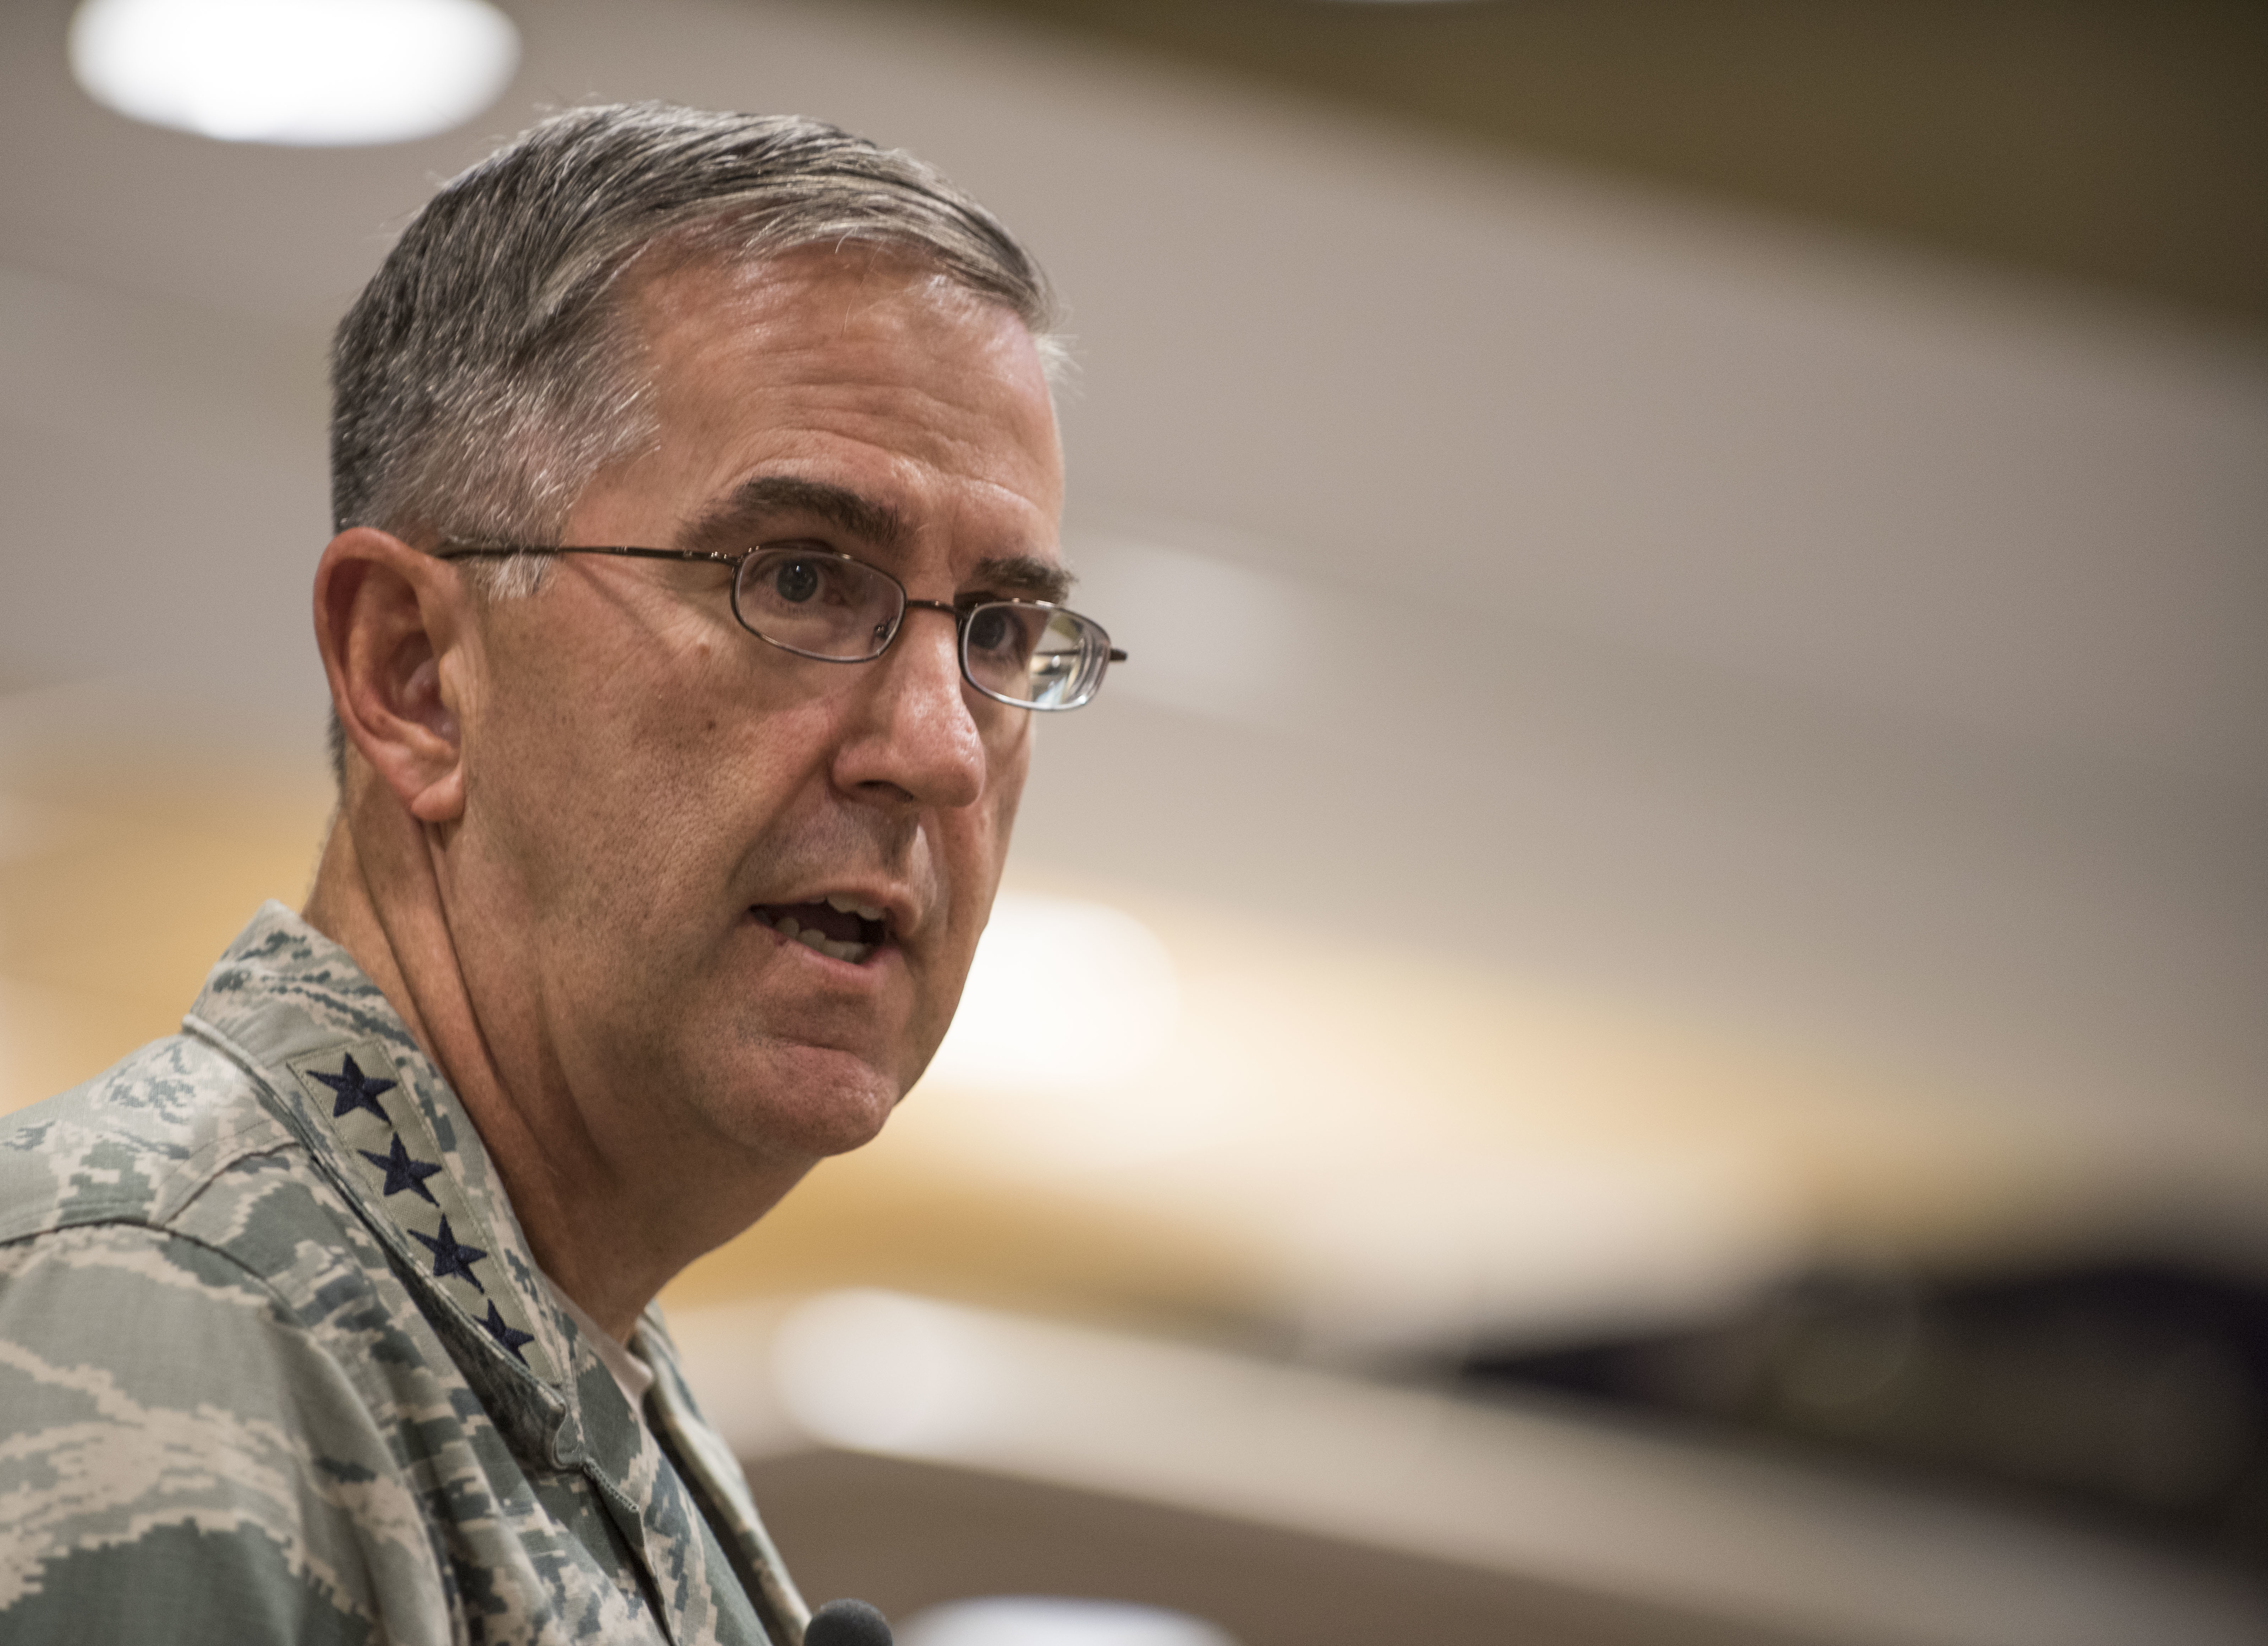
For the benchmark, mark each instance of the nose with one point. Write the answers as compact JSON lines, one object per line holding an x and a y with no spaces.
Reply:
{"x":916,"y":738}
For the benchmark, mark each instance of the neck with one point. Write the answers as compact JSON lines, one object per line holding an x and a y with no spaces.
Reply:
{"x":609,"y":1232}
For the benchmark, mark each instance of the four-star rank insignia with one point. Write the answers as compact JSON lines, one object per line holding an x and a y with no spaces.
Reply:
{"x":384,"y":1137}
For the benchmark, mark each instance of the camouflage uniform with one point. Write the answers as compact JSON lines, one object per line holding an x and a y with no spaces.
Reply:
{"x":276,"y":1362}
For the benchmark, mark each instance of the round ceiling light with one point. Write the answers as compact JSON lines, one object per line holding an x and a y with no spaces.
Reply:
{"x":295,"y":72}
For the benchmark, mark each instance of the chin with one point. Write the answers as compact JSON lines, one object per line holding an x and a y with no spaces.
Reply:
{"x":825,"y":1103}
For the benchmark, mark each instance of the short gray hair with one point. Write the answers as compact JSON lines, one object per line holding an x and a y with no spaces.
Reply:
{"x":487,"y":370}
{"x":484,"y":375}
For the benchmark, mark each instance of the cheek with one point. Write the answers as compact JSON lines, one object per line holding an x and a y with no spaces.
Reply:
{"x":587,"y":788}
{"x":1006,"y":789}
{"x":976,"y":848}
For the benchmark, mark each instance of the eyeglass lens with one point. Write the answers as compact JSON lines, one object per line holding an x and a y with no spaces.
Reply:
{"x":830,"y":607}
{"x":822,"y":605}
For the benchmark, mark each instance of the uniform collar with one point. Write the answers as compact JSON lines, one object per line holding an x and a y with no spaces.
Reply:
{"x":340,"y":1070}
{"x":343,"y":1072}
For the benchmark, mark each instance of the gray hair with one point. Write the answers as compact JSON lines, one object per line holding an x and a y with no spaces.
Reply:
{"x":487,"y":370}
{"x":484,"y":374}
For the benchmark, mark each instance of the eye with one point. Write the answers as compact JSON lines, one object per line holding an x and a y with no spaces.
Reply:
{"x":796,"y":581}
{"x":818,"y":604}
{"x":993,"y":631}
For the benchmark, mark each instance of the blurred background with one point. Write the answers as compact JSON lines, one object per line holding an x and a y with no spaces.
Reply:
{"x":1643,"y":1017}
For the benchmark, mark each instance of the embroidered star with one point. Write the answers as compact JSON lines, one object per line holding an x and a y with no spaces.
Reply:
{"x":402,"y":1172}
{"x":449,"y":1258}
{"x":355,"y":1091}
{"x":504,"y":1334}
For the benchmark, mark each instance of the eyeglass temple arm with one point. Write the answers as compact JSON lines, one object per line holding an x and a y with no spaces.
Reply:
{"x":509,"y":551}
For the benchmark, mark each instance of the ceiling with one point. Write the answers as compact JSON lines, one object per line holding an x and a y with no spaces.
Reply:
{"x":2119,"y":145}
{"x":1769,"y":712}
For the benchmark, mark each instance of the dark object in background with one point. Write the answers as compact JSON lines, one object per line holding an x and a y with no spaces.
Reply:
{"x":2140,"y":1390}
{"x":847,"y":1623}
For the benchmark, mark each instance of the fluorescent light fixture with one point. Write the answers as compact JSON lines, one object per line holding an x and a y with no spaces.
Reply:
{"x":1042,"y":1621}
{"x":1065,"y":996}
{"x":316,"y":72}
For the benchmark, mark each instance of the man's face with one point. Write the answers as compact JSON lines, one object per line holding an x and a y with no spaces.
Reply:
{"x":651,"y":791}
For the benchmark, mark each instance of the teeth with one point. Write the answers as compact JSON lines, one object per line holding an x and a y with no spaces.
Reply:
{"x":812,"y":937}
{"x":844,"y":905}
{"x":825,"y":945}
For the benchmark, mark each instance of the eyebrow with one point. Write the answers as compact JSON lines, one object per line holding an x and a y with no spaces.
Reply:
{"x":742,"y":518}
{"x":1024,"y":577}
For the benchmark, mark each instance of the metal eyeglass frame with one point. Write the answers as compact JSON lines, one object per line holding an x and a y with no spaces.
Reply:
{"x":962,"y":616}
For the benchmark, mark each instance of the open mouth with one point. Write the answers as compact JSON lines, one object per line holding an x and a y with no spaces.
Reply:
{"x":840,"y":927}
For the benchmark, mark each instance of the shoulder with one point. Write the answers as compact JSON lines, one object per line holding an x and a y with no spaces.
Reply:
{"x":171,"y":1171}
{"x":193,"y":1461}
{"x":185,"y":1376}
{"x":135,"y":1144}
{"x":176,"y":1143}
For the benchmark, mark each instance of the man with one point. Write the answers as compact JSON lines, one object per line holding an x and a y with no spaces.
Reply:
{"x":696,"y":579}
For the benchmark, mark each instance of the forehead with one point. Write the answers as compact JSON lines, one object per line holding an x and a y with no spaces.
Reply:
{"x":858,"y":370}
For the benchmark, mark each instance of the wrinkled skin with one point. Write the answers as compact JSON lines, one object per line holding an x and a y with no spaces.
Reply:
{"x":561,"y":808}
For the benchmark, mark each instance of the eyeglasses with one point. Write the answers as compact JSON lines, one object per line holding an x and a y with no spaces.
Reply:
{"x":816,"y":603}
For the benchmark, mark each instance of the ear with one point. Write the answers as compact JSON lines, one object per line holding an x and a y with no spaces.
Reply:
{"x":391,"y":622}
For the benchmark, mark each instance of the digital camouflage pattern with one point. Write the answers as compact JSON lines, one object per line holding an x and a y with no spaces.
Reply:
{"x":276,"y":1364}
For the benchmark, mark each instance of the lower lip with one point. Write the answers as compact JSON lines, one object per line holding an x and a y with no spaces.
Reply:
{"x":869,"y":966}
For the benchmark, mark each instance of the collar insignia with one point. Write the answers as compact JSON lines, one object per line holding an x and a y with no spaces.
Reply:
{"x":449,"y":1258}
{"x":385,"y":1142}
{"x":402,"y":1172}
{"x":498,"y":1329}
{"x":354,"y":1089}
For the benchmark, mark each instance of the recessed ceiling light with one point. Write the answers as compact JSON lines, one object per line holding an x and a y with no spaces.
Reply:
{"x":295,"y":72}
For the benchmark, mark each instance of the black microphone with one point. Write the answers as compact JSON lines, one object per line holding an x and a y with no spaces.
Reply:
{"x":847,"y":1623}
